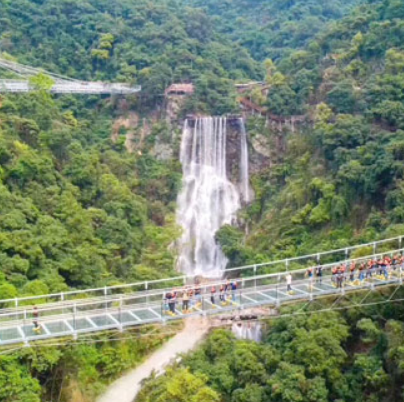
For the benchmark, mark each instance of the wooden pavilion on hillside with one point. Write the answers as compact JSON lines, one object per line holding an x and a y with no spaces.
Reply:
{"x":180,"y":89}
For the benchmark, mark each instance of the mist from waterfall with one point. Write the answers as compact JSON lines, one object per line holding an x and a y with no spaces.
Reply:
{"x":244,"y":171}
{"x":251,"y":331}
{"x":208,"y":199}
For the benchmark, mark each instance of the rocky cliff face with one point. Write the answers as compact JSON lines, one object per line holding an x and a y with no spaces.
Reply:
{"x":173,"y":106}
{"x":159,"y":133}
{"x":258,"y":150}
{"x":151,"y":134}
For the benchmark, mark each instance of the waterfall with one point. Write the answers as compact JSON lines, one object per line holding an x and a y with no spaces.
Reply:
{"x":244,"y":171}
{"x":208,"y":199}
{"x":249,"y":331}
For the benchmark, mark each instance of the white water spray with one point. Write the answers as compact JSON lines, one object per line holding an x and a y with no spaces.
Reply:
{"x":244,"y":170}
{"x":251,"y":331}
{"x":208,"y":199}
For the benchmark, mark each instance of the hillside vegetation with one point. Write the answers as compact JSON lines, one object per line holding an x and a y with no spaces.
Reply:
{"x":77,"y":210}
{"x":354,"y":356}
{"x":151,"y":43}
{"x":274,"y":29}
{"x":339,"y":179}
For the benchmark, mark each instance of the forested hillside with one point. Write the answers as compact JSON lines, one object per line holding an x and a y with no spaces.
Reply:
{"x":338,"y":179}
{"x":76,"y":209}
{"x":273,"y":29}
{"x":355,"y":356}
{"x":151,"y":43}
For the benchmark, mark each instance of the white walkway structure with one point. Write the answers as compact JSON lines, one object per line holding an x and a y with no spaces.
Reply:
{"x":63,"y":85}
{"x":117,"y":307}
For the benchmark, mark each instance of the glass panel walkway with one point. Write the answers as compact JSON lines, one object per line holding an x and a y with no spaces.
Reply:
{"x":117,"y":308}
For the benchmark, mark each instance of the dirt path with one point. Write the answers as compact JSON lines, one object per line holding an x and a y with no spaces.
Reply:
{"x":127,"y":387}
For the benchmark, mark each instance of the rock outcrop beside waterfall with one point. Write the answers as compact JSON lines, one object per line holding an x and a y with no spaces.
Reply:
{"x":258,"y":148}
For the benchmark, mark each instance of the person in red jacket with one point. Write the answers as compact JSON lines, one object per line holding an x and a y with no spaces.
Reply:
{"x":35,"y":315}
{"x":352,"y":269}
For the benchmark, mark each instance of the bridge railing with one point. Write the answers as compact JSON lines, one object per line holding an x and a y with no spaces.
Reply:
{"x":111,"y":304}
{"x":75,"y":87}
{"x":288,"y":264}
{"x":283,"y":265}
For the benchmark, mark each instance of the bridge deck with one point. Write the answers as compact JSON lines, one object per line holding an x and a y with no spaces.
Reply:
{"x":120,"y":306}
{"x":71,"y":318}
{"x":74,"y":87}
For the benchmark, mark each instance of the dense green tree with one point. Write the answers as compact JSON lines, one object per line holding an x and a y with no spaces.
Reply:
{"x":342,"y":97}
{"x":16,"y":383}
{"x":183,"y":386}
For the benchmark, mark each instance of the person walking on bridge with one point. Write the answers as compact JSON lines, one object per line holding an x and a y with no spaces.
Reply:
{"x":35,"y":315}
{"x":340,"y":277}
{"x":362,"y":270}
{"x":344,"y":272}
{"x":373,"y":267}
{"x":221,"y":293}
{"x":395,"y":261}
{"x":334,"y":273}
{"x":309,"y":274}
{"x":369,"y":269}
{"x":191,"y":297}
{"x":380,"y":266}
{"x":288,"y":282}
{"x":352,"y":269}
{"x":227,"y":288}
{"x":233,"y":291}
{"x":171,"y":299}
{"x":212,"y":295}
{"x":198,"y":295}
{"x":185,"y":301}
{"x":386,"y":267}
{"x":319,"y":274}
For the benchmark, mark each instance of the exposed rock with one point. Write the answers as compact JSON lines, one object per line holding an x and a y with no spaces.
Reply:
{"x":138,"y":129}
{"x":233,"y":149}
{"x":260,"y":153}
{"x":261,"y":145}
{"x":258,"y":148}
{"x":163,"y":151}
{"x":174,"y":104}
{"x":129,"y":123}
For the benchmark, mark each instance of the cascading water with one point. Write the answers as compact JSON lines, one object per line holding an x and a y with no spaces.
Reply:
{"x":244,"y":171}
{"x":249,"y":331}
{"x":208,"y":199}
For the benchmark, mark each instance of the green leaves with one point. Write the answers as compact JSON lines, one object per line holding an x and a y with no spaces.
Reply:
{"x":372,"y":373}
{"x":289,"y":384}
{"x":282,"y":100}
{"x":7,"y":291}
{"x":342,"y":97}
{"x":370,"y":329}
{"x":16,"y":385}
{"x":182,"y":386}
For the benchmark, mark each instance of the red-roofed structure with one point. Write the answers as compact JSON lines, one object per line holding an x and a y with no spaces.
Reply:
{"x":180,"y":89}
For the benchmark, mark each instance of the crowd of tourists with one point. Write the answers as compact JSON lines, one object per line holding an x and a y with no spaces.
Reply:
{"x":184,"y":300}
{"x":354,"y":272}
{"x":190,"y":297}
{"x":382,"y":267}
{"x":350,"y":272}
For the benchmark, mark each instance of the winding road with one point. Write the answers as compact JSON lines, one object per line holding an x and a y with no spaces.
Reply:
{"x":126,"y":388}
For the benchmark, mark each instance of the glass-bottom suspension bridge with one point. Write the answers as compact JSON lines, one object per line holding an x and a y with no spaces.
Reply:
{"x":61,"y":84}
{"x":69,"y":314}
